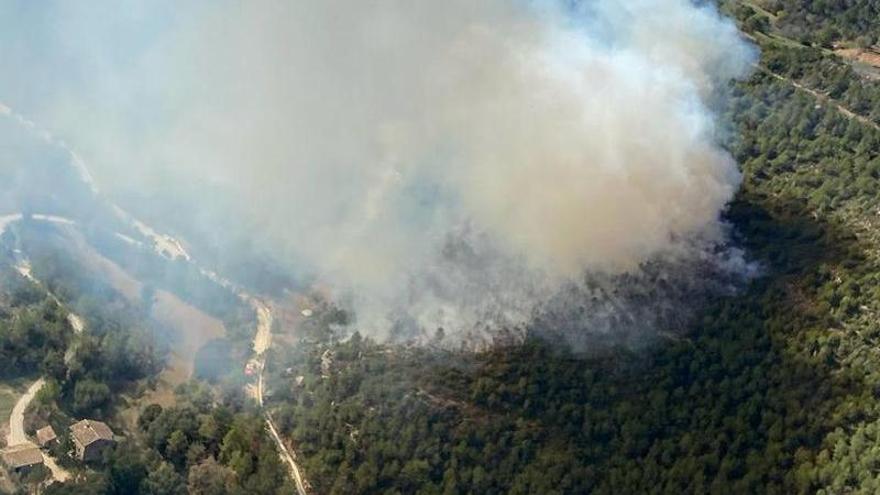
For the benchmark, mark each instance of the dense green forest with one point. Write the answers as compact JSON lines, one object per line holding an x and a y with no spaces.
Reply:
{"x":774,"y":390}
{"x":32,"y":326}
{"x":824,"y":21}
{"x":201,"y":445}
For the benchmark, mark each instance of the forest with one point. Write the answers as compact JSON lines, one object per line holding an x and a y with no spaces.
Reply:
{"x":32,"y":326}
{"x":210,"y":440}
{"x":199,"y":446}
{"x":825,"y":22}
{"x":773,"y":390}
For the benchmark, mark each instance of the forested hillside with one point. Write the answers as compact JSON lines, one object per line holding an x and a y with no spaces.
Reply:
{"x":209,"y":439}
{"x":774,"y":390}
{"x":773,"y":387}
{"x":32,"y":325}
{"x":824,"y":21}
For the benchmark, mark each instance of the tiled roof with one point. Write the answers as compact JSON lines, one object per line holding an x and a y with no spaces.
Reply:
{"x":21,"y":455}
{"x":89,"y":431}
{"x":46,"y":435}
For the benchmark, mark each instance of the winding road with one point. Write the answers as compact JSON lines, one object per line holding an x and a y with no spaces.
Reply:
{"x":169,"y":247}
{"x":261,"y":343}
{"x":17,"y":435}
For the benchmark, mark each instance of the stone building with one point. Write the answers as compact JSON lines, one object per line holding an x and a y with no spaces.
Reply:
{"x":91,"y":438}
{"x":21,"y":458}
{"x":46,"y":436}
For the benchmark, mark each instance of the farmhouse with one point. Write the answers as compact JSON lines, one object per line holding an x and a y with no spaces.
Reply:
{"x":46,"y":436}
{"x":21,"y":458}
{"x":91,"y":438}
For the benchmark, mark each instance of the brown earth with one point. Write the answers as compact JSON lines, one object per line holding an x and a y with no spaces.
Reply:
{"x":865,"y":56}
{"x":191,"y":327}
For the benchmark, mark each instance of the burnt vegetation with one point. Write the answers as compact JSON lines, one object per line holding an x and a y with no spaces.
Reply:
{"x":773,"y":390}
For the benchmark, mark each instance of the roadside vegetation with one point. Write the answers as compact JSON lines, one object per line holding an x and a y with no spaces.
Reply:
{"x":32,"y":326}
{"x":774,"y":389}
{"x":204,"y":444}
{"x":211,"y":439}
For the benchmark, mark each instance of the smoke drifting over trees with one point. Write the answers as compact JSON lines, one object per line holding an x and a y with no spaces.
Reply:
{"x":448,"y":164}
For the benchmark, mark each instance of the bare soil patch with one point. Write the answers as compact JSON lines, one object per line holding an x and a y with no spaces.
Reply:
{"x":191,"y":327}
{"x":194,"y":329}
{"x":865,"y":56}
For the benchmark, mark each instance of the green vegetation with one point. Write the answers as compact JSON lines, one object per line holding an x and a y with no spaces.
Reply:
{"x":210,"y":441}
{"x":810,"y":63}
{"x":203,"y":445}
{"x":774,"y":392}
{"x":8,"y":397}
{"x":822,"y":22}
{"x":180,"y":278}
{"x":118,"y":347}
{"x":32,"y":325}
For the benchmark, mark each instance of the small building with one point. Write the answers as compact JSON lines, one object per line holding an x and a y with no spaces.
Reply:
{"x":21,"y":458}
{"x":91,"y":438}
{"x":46,"y":436}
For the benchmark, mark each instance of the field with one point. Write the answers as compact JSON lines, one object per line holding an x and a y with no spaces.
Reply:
{"x":10,"y":391}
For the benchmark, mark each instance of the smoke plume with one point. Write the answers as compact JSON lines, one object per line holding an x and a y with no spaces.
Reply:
{"x":452,"y":163}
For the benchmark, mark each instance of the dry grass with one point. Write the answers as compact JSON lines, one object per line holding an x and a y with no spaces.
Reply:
{"x":869,"y":57}
{"x":10,"y":391}
{"x":193,"y":329}
{"x":7,"y":401}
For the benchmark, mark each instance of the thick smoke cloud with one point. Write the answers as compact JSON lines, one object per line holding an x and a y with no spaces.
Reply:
{"x":437,"y":163}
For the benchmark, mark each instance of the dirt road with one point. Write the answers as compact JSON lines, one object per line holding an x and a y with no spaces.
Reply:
{"x":263,"y":338}
{"x":5,"y":220}
{"x":262,"y":342}
{"x":840,"y":107}
{"x":170,"y":247}
{"x":17,"y":435}
{"x":286,"y":455}
{"x":824,"y":98}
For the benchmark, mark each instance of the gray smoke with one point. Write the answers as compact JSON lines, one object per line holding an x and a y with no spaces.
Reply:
{"x":450,"y":164}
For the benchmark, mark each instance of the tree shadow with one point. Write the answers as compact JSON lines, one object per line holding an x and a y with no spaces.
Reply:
{"x":742,"y":406}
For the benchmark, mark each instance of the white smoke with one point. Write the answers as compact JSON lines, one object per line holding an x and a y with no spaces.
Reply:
{"x":444,"y":163}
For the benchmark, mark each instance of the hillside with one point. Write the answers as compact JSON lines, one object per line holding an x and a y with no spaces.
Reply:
{"x":222,"y":371}
{"x":774,"y":390}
